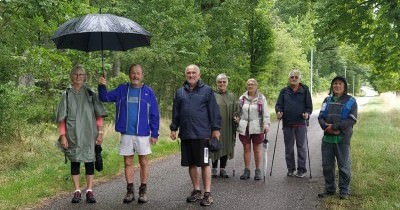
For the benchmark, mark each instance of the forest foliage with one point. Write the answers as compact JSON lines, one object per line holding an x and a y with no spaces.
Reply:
{"x":262,"y":39}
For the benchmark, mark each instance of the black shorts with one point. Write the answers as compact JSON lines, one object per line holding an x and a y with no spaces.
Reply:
{"x":194,"y":152}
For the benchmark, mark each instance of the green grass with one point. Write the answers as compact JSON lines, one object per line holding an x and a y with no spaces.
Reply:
{"x":375,"y":160}
{"x":34,"y":169}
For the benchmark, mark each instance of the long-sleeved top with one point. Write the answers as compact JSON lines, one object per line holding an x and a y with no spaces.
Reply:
{"x":195,"y":113}
{"x":252,"y":115}
{"x":148,"y":122}
{"x":293,"y":105}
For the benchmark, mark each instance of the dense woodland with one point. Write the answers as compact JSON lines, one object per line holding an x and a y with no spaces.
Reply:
{"x":263,"y":39}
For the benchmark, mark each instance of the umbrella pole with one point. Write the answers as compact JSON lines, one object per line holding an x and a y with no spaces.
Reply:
{"x":102,"y":54}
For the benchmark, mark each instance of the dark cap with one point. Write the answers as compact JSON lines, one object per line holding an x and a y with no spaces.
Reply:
{"x":341,"y":78}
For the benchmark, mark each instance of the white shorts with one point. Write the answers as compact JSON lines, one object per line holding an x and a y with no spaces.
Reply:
{"x":129,"y":145}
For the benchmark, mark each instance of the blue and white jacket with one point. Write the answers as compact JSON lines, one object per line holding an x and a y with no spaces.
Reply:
{"x":148,"y":117}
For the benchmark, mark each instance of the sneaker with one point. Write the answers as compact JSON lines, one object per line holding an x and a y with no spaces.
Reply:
{"x":194,"y":196}
{"x":214,"y":173}
{"x":207,"y":199}
{"x":142,"y":194}
{"x":77,"y":197}
{"x":344,"y":196}
{"x":90,"y":197}
{"x":325,"y":194}
{"x":246,"y":174}
{"x":290,"y":174}
{"x":257,"y":174}
{"x":300,"y":174}
{"x":223,"y":174}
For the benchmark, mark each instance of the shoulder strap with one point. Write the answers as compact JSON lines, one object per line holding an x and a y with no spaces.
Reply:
{"x":347,"y":108}
{"x":328,"y":100}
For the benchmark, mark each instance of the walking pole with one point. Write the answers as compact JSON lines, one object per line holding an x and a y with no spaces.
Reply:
{"x":308,"y":150}
{"x":276,"y":139}
{"x":234,"y":155}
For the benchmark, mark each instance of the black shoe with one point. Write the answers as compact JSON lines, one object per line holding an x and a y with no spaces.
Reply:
{"x":194,"y":196}
{"x":344,"y":196}
{"x":257,"y":174}
{"x":207,"y":199}
{"x":246,"y":174}
{"x":90,"y":197}
{"x":325,"y":194}
{"x":142,"y":194}
{"x":223,"y":174}
{"x":77,"y":197}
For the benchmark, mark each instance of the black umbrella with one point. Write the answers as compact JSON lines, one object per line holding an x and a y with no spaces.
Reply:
{"x":94,"y":32}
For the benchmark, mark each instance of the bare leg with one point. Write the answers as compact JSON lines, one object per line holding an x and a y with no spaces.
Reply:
{"x":257,"y":148}
{"x":247,"y":155}
{"x":89,"y":182}
{"x":75,"y":178}
{"x":194,"y":176}
{"x":206,"y":175}
{"x":128,"y":160}
{"x":144,"y":169}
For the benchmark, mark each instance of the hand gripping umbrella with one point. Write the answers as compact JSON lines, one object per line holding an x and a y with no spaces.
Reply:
{"x":265,"y":155}
{"x":95,"y":32}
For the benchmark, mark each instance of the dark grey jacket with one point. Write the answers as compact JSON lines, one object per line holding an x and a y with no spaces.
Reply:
{"x":195,"y":113}
{"x":293,"y":105}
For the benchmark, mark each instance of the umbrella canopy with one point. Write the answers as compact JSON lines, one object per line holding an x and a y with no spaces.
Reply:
{"x":94,"y":32}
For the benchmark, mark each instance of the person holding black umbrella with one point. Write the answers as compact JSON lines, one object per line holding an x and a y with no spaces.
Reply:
{"x":138,"y":120}
{"x":80,"y":119}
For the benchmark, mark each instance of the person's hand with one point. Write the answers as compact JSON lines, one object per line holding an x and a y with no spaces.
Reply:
{"x":99,"y":139}
{"x":215,"y":134}
{"x":266,"y":129}
{"x":279,"y":115}
{"x":64,"y":142}
{"x":153,"y":140}
{"x":330,"y":130}
{"x":102,"y":80}
{"x":305,"y":115}
{"x":173,"y":135}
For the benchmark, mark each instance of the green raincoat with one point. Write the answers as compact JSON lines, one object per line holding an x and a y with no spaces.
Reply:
{"x":227,"y":107}
{"x":80,"y":120}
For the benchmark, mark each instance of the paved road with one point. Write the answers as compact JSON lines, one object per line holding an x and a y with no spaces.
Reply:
{"x":170,"y":184}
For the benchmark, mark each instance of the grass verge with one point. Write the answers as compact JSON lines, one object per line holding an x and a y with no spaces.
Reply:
{"x":34,"y":169}
{"x":375,"y":160}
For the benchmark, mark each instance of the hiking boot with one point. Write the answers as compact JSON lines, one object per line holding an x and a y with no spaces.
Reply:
{"x":207,"y":199}
{"x":130,"y":195}
{"x":214,"y":173}
{"x":90,"y":197}
{"x":77,"y":197}
{"x":194,"y":196}
{"x":300,"y":174}
{"x":223,"y":174}
{"x":344,"y":196}
{"x":142,"y":194}
{"x":257,"y":174}
{"x":246,"y":174}
{"x":325,"y":194}
{"x":290,"y":174}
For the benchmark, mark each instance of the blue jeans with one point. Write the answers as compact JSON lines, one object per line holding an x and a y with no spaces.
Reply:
{"x":298,"y":135}
{"x":342,"y":154}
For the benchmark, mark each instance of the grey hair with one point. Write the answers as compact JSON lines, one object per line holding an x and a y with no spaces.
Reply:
{"x":222,"y":77}
{"x":252,"y":80}
{"x":75,"y":69}
{"x":193,"y":66}
{"x":294,"y":71}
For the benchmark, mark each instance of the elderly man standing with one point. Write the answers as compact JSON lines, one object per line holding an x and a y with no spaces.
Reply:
{"x":294,"y":107}
{"x":196,"y":115}
{"x":137,"y":119}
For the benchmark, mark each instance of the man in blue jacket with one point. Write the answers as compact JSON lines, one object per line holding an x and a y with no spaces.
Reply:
{"x":294,"y":107}
{"x":137,"y":119}
{"x":196,"y":114}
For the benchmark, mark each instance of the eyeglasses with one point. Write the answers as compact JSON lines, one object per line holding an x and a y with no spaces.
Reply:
{"x":221,"y":82}
{"x":79,"y":75}
{"x":294,"y":77}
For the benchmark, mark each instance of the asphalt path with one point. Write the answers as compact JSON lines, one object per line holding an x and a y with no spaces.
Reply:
{"x":169,"y":183}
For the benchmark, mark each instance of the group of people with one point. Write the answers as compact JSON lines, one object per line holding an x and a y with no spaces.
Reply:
{"x":199,"y":114}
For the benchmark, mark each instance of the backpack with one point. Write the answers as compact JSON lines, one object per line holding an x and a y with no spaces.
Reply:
{"x":345,"y":111}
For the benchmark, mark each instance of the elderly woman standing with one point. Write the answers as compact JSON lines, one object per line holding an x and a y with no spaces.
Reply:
{"x":79,"y":116}
{"x":227,"y":107}
{"x":254,"y":123}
